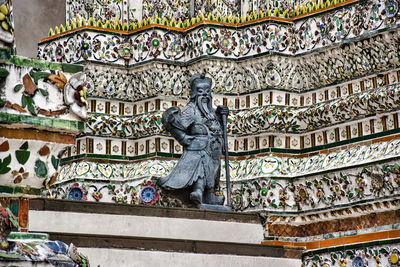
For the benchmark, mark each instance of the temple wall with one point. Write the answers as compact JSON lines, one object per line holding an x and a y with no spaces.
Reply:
{"x":314,"y":133}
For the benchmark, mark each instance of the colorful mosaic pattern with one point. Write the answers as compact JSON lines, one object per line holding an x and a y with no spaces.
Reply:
{"x":181,"y":11}
{"x":346,"y":56}
{"x":144,"y":192}
{"x":230,"y":79}
{"x":218,"y":8}
{"x":29,"y":163}
{"x":306,"y":72}
{"x":37,"y":92}
{"x":176,"y":9}
{"x":227,"y":42}
{"x":265,"y":119}
{"x":102,"y":10}
{"x":269,"y":182}
{"x":371,"y":254}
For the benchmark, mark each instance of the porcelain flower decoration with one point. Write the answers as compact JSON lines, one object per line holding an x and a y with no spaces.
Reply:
{"x":75,"y":94}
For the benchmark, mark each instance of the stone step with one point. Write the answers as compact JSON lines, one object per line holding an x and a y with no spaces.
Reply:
{"x":144,"y":221}
{"x":124,"y":235}
{"x":100,"y":249}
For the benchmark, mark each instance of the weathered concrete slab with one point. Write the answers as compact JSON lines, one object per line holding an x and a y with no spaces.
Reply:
{"x":120,"y":257}
{"x":144,"y":226}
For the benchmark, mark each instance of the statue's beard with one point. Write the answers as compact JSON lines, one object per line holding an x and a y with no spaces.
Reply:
{"x":204,"y":104}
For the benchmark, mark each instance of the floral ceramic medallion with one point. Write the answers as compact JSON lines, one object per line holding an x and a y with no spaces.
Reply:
{"x":358,"y":262}
{"x":269,"y":165}
{"x":125,"y":50}
{"x":157,"y":169}
{"x":77,"y":193}
{"x":394,"y":258}
{"x":75,"y":94}
{"x":149,"y":194}
{"x":391,"y":8}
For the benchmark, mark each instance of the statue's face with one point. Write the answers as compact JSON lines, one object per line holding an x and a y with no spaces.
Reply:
{"x":203,"y":89}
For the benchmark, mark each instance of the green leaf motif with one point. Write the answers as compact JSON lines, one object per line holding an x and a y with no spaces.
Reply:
{"x":4,"y":73}
{"x":350,"y":253}
{"x":55,"y":162}
{"x":43,"y":92}
{"x":24,"y":146}
{"x":37,"y":75}
{"x":384,"y":251}
{"x":4,"y":170}
{"x":4,"y":165}
{"x":7,"y":160}
{"x":24,"y":101}
{"x":22,"y":156}
{"x":31,"y":108}
{"x":18,"y":87}
{"x":41,"y":169}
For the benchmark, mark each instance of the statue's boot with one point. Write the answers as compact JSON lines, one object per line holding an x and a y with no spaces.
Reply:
{"x":197,"y":195}
{"x":211,"y":198}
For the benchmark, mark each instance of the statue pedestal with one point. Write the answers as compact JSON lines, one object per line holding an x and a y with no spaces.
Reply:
{"x":214,"y":207}
{"x":125,"y":235}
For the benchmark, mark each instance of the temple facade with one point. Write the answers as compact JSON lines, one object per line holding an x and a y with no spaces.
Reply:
{"x":313,"y":89}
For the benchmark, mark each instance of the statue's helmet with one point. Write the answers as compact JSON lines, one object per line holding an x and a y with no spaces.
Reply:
{"x":197,"y":79}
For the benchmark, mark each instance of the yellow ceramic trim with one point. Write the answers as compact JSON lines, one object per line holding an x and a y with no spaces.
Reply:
{"x":205,"y":21}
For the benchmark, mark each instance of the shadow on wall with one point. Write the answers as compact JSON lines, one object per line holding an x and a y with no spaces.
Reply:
{"x":32,"y":21}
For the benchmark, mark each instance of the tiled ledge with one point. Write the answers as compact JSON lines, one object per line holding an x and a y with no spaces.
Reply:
{"x":283,"y":166}
{"x":347,"y":241}
{"x":44,"y":65}
{"x":42,"y":123}
{"x":150,"y":149}
{"x":367,"y":250}
{"x":32,"y":134}
{"x":140,"y":210}
{"x":355,"y":220}
{"x":263,"y":96}
{"x":378,"y":105}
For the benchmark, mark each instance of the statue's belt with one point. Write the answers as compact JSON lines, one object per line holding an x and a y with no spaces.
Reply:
{"x":210,"y":144}
{"x":199,"y":142}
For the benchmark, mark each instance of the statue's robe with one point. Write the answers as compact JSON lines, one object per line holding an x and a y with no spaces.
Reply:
{"x":202,"y":158}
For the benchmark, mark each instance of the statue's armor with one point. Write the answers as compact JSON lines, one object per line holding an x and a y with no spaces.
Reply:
{"x":207,"y":137}
{"x":201,"y":158}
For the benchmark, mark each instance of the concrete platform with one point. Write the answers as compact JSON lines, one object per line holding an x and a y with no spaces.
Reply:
{"x":125,"y":235}
{"x":120,"y":257}
{"x":126,"y":220}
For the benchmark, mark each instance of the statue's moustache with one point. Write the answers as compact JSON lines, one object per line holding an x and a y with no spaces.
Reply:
{"x":202,"y":98}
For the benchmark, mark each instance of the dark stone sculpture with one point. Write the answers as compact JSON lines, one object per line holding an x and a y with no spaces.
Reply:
{"x":198,"y":128}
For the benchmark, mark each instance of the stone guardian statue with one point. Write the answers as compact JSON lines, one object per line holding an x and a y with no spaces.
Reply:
{"x":198,"y":128}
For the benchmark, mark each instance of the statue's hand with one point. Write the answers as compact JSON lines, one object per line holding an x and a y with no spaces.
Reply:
{"x":222,"y":110}
{"x":186,"y":140}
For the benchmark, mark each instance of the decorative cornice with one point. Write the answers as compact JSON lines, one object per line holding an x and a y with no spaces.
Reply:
{"x":224,"y":41}
{"x":286,"y":16}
